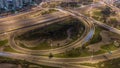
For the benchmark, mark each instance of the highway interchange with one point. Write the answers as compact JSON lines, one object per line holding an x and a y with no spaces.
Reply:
{"x":28,"y":55}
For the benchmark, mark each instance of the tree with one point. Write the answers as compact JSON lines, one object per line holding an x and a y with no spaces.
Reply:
{"x":106,"y":12}
{"x":50,"y":55}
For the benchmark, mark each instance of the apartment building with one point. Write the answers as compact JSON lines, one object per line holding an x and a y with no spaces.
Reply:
{"x":13,"y":4}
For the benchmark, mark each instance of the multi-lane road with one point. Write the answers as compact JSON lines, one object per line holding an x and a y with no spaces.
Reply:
{"x":15,"y":23}
{"x":88,"y":33}
{"x":61,"y":62}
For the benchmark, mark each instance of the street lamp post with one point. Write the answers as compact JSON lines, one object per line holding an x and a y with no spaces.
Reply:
{"x":89,"y":11}
{"x":51,"y":46}
{"x":92,"y":55}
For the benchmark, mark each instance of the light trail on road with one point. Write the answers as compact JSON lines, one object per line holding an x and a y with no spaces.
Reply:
{"x":65,"y":62}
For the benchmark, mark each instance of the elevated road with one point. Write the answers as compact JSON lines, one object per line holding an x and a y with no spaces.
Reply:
{"x":95,"y":59}
{"x":87,"y":35}
{"x":16,"y":24}
{"x":41,"y":60}
{"x":65,"y":62}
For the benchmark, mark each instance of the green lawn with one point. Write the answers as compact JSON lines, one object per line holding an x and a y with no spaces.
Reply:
{"x":106,"y":48}
{"x":23,"y":63}
{"x":74,"y":53}
{"x":97,"y":13}
{"x":88,"y":64}
{"x":41,"y":46}
{"x":79,"y":52}
{"x":114,"y":63}
{"x":109,"y":47}
{"x":99,"y":52}
{"x":96,"y":37}
{"x":48,"y":11}
{"x":3,"y":42}
{"x":9,"y":49}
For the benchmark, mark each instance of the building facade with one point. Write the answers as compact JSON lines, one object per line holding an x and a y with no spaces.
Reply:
{"x":13,"y":4}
